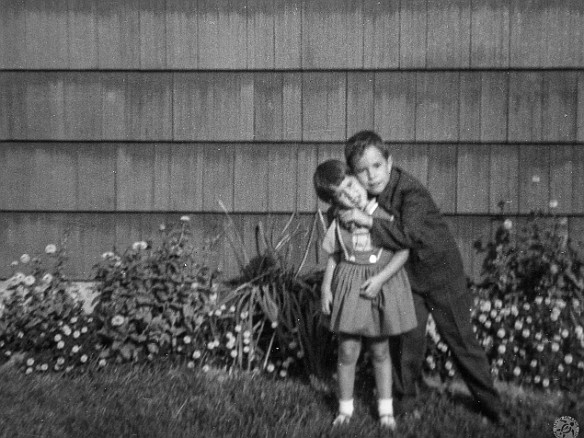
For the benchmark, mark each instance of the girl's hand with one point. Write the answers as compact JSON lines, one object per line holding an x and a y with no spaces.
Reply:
{"x":326,"y":301}
{"x":356,"y":217}
{"x":370,"y":288}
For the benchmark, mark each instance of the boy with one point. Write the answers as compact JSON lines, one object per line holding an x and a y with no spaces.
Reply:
{"x":435,"y":270}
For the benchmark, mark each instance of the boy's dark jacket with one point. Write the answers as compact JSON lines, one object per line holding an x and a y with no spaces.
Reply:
{"x":418,"y":225}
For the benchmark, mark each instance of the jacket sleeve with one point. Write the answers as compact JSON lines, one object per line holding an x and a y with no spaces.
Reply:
{"x":407,"y":229}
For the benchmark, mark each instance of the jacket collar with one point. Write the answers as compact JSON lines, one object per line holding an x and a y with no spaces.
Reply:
{"x":386,"y":197}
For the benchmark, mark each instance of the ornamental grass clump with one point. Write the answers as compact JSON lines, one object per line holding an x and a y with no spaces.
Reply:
{"x":529,"y":308}
{"x":281,"y":305}
{"x":41,"y":323}
{"x":157,"y":300}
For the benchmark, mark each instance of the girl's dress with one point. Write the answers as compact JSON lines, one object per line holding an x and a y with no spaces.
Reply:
{"x":392,"y":311}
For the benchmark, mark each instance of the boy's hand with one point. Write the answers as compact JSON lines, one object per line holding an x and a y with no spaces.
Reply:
{"x":370,"y":288}
{"x":326,"y":301}
{"x":356,"y":217}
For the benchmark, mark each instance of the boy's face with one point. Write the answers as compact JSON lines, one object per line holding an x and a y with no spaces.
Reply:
{"x":372,"y":170}
{"x":351,"y":194}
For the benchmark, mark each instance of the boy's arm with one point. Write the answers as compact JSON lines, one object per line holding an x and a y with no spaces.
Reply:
{"x":395,"y":232}
{"x":407,"y":227}
{"x":371,"y":287}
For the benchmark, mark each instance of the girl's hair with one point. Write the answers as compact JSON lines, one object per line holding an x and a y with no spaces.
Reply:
{"x":356,"y":145}
{"x":327,"y":177}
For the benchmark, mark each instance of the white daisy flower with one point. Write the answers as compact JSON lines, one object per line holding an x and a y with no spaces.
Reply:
{"x":140,"y":245}
{"x":185,"y":218}
{"x":117,"y":320}
{"x":50,"y":249}
{"x":24,"y":259}
{"x":196,"y":354}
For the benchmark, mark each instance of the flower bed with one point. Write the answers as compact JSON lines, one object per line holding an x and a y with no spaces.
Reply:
{"x":162,"y":302}
{"x":528,"y":312}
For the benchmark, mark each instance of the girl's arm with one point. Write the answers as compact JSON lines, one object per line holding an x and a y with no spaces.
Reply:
{"x":371,"y":287}
{"x":326,"y":294}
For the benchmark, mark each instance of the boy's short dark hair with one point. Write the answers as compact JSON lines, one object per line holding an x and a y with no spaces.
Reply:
{"x":356,"y":145}
{"x":327,"y":177}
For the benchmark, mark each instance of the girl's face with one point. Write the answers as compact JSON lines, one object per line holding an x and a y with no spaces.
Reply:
{"x":351,"y":194}
{"x":372,"y":170}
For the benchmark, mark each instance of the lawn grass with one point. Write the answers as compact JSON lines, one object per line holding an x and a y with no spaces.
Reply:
{"x":161,"y":401}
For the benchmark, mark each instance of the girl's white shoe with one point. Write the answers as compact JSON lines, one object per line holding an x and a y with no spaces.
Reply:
{"x":341,"y":420}
{"x":388,"y":422}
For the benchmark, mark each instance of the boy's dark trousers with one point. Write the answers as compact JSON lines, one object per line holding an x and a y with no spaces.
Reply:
{"x":450,"y":306}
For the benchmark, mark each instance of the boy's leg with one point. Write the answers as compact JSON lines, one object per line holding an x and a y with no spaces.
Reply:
{"x":451,"y":308}
{"x":411,"y":356}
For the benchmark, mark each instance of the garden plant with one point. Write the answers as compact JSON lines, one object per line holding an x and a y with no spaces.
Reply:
{"x":162,"y":314}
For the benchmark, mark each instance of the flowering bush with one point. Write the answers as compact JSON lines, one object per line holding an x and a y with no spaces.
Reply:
{"x":529,"y":313}
{"x":40,"y":319}
{"x":156,"y":301}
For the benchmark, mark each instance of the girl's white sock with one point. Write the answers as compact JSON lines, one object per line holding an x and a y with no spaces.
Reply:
{"x":385,"y":406}
{"x":346,"y":407}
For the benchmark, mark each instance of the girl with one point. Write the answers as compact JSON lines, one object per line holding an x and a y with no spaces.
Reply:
{"x":365,"y":290}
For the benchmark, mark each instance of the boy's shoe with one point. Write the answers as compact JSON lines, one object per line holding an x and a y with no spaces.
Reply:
{"x":405,"y":406}
{"x":492,"y":415}
{"x":341,"y":420}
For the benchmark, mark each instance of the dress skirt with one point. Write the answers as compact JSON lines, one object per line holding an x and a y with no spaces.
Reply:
{"x":390,"y":313}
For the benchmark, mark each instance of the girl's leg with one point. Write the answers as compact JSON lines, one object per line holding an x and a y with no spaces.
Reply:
{"x":381,"y":361}
{"x":349,"y":349}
